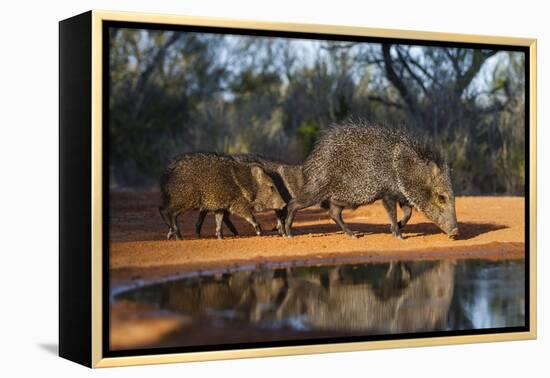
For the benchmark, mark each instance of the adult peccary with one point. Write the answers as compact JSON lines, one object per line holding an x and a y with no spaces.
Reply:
{"x":288,"y":180}
{"x":218,"y":183}
{"x":357,"y":163}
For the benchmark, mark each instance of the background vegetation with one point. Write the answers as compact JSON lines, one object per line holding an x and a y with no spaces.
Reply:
{"x":174,"y":92}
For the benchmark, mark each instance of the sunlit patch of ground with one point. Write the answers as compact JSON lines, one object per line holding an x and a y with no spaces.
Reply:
{"x":490,"y":227}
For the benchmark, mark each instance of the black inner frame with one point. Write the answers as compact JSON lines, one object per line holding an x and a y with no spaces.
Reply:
{"x":106,"y":25}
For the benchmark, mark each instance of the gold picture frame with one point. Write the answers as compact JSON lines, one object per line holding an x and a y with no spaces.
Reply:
{"x":92,"y":355}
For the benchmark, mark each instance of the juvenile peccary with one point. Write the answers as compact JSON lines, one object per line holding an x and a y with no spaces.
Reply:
{"x":218,"y":183}
{"x":357,"y":164}
{"x":288,"y":180}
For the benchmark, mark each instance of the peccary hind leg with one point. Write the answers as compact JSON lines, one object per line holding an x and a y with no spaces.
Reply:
{"x":171,"y":219}
{"x":390,"y":206}
{"x":335,"y":213}
{"x":174,"y":229}
{"x":174,"y":222}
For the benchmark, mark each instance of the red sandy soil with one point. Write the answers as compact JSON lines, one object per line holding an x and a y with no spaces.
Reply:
{"x":490,"y":227}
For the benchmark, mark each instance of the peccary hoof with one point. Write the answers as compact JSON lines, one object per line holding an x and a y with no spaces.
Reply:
{"x":353,"y":236}
{"x":398,"y":235}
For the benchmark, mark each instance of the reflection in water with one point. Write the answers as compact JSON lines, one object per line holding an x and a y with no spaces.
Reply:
{"x":374,"y":298}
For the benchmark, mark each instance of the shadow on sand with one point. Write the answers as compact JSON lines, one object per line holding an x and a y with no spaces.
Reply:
{"x":468,"y":230}
{"x":147,"y":226}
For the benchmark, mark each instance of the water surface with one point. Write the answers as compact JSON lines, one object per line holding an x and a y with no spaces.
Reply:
{"x":348,"y":299}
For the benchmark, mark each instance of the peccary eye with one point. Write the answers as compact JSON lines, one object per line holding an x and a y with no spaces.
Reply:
{"x":441,"y":199}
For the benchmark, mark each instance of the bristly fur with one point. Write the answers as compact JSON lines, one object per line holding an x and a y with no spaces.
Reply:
{"x":166,"y":174}
{"x":357,"y":163}
{"x":398,"y":134}
{"x":360,"y":151}
{"x":288,"y":180}
{"x":215,"y":182}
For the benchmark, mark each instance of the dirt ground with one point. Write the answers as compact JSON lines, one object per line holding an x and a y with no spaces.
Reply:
{"x":490,"y":227}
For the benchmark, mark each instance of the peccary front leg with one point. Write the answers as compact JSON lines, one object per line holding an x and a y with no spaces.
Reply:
{"x":249,"y":217}
{"x":219,"y":220}
{"x":200,"y":220}
{"x":335,"y":213}
{"x":390,"y":206}
{"x":407,"y":212}
{"x":229,"y":224}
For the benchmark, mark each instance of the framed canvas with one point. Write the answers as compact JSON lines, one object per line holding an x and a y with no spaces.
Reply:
{"x":235,"y":189}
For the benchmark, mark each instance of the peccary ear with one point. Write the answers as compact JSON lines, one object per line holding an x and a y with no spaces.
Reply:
{"x":258,"y":173}
{"x":435,"y":169}
{"x":414,"y":176}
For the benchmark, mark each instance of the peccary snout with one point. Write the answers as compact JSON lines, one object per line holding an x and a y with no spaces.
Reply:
{"x":439,"y":203}
{"x":447,"y":223}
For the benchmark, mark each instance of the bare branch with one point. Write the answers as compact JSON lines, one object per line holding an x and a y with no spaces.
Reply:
{"x":418,"y":80}
{"x":479,"y":57}
{"x":424,"y":71}
{"x":454,"y":61}
{"x":396,"y":80}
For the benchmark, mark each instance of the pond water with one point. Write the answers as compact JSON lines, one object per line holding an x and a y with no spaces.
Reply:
{"x":349,"y":299}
